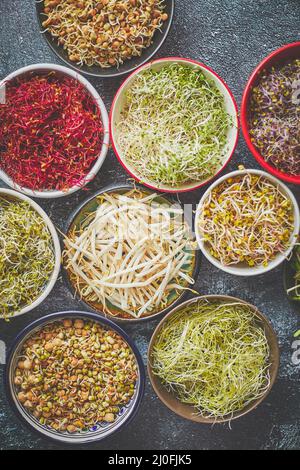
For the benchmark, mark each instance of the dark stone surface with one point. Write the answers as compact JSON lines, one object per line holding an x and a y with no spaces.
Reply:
{"x":231,"y":36}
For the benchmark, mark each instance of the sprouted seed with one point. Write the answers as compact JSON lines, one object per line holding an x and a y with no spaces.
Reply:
{"x":51,"y":132}
{"x":294,"y":291}
{"x":74,"y":374}
{"x":26,"y":256}
{"x":104,"y":33}
{"x":214,"y":356}
{"x":246,"y":219}
{"x":173,"y":128}
{"x":130,"y":254}
{"x":275,"y":115}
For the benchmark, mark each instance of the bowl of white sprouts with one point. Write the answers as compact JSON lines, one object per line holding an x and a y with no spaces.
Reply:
{"x":174,"y":124}
{"x":129,"y":253}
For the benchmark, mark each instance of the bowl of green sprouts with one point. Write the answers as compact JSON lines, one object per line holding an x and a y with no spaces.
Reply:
{"x":213,"y":359}
{"x":174,"y":124}
{"x":29,"y":254}
{"x":292,"y":276}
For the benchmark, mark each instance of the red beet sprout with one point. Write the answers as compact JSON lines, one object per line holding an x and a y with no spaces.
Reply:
{"x":50,"y":132}
{"x":275,"y":116}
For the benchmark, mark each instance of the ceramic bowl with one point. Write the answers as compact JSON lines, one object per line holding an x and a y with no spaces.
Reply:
{"x":90,"y":206}
{"x":9,"y":194}
{"x":242,"y":269}
{"x":128,"y":66}
{"x":188,"y":411}
{"x":60,"y":70}
{"x":119,"y":104}
{"x":100,"y":430}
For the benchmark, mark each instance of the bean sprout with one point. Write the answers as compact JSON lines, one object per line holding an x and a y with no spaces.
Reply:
{"x":131,"y":253}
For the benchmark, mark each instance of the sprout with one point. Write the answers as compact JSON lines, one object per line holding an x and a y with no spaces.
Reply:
{"x":275,"y":115}
{"x":131,"y":253}
{"x":214,"y":356}
{"x":26,"y":256}
{"x":295,"y":290}
{"x":246,"y":219}
{"x":174,"y":127}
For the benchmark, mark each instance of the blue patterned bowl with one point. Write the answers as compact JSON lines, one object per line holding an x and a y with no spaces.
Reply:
{"x":100,"y":430}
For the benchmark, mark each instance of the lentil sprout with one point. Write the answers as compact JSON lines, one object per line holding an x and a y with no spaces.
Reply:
{"x":104,"y":32}
{"x":74,"y":374}
{"x":275,"y":115}
{"x":26,"y":256}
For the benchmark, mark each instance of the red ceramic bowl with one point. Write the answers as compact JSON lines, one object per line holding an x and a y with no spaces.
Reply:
{"x":120,"y":101}
{"x":280,"y":56}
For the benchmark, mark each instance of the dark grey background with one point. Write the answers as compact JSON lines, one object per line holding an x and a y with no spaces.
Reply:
{"x":231,"y":36}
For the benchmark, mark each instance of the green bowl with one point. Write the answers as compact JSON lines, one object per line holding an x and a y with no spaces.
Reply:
{"x":175,"y":296}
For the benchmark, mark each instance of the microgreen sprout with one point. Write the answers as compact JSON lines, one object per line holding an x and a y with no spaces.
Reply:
{"x":214,"y":356}
{"x":26,"y":256}
{"x":173,"y":129}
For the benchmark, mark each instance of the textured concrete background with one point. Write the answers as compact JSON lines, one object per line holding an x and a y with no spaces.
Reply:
{"x":231,"y":36}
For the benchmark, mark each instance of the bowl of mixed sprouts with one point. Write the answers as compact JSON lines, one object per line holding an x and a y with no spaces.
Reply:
{"x":247,"y":222}
{"x":105,"y":38}
{"x":270,"y":113}
{"x":174,"y":124}
{"x":30,"y":254}
{"x":74,"y":377}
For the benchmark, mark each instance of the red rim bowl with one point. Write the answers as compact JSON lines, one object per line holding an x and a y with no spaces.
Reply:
{"x":231,"y":107}
{"x":280,"y":56}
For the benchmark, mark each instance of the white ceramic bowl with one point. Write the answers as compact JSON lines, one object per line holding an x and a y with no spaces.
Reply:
{"x":57,"y":252}
{"x":241,"y":269}
{"x":120,"y":101}
{"x":51,"y":194}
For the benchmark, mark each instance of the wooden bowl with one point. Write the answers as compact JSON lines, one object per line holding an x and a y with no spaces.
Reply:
{"x":188,"y":411}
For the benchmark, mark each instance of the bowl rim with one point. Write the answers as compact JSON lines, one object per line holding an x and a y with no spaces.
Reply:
{"x":56,"y":245}
{"x":117,"y":73}
{"x":120,"y":90}
{"x":52,"y":194}
{"x":275,"y":350}
{"x":280,"y":257}
{"x":17,"y":341}
{"x":69,"y":221}
{"x":244,"y":113}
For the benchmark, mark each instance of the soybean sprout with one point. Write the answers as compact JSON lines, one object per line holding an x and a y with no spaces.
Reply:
{"x":246,"y":219}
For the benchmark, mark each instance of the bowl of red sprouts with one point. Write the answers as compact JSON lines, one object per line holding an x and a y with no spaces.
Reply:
{"x":270,"y":113}
{"x":54,"y":131}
